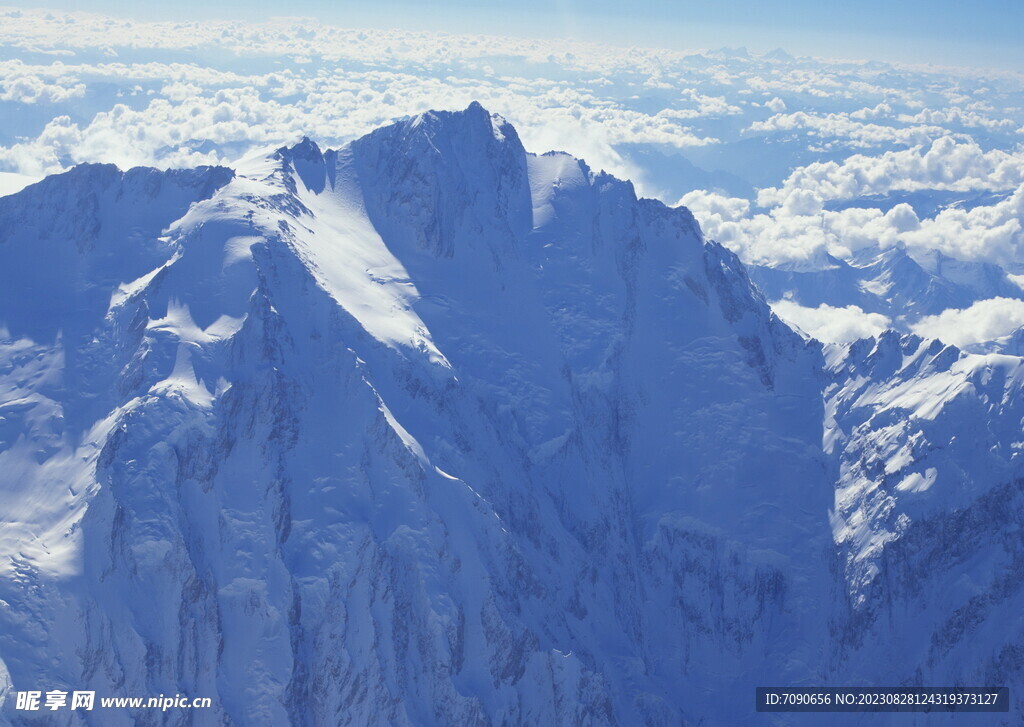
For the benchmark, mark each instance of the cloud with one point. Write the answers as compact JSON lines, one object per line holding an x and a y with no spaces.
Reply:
{"x":880,"y":111}
{"x":801,"y":233}
{"x":842,"y":128}
{"x":106,"y":97}
{"x":45,"y":84}
{"x":984,"y":321}
{"x":946,"y":163}
{"x":714,"y":209}
{"x":991,"y":233}
{"x":829,"y":324}
{"x":958,"y":117}
{"x":334,"y":108}
{"x":11,"y":183}
{"x":799,"y":229}
{"x":361,"y":79}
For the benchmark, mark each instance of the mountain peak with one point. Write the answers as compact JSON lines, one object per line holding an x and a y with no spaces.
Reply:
{"x":306,"y":149}
{"x":307,"y":161}
{"x":474,"y":119}
{"x":453,"y":174}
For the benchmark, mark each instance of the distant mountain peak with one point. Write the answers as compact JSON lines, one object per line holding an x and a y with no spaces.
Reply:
{"x":778,"y":55}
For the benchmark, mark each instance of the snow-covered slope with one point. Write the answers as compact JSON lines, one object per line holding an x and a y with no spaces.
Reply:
{"x":431,"y":430}
{"x":929,"y":511}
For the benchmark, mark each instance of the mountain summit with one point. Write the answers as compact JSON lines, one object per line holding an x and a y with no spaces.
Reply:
{"x":430,"y":430}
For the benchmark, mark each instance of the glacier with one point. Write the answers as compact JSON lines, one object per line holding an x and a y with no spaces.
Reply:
{"x":430,"y":430}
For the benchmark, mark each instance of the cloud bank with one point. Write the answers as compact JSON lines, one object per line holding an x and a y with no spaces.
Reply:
{"x":986,"y":320}
{"x":831,"y":324}
{"x":788,"y":161}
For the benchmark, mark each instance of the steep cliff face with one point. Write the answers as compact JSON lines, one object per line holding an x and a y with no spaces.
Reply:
{"x":423,"y":430}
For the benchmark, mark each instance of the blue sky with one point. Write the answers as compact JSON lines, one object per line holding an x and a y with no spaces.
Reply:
{"x":984,"y":33}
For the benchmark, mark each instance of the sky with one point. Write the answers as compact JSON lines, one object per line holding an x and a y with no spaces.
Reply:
{"x":980,"y":33}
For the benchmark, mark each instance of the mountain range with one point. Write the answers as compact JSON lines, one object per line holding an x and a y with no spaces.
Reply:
{"x":431,"y":430}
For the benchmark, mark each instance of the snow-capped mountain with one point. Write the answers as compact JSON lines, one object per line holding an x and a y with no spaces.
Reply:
{"x":429,"y":430}
{"x":902,"y":287}
{"x":929,"y":509}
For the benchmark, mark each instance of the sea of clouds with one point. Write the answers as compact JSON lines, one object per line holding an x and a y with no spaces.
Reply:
{"x":787,"y":161}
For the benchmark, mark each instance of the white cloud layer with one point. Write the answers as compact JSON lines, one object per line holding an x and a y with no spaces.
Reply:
{"x":348,"y":79}
{"x":104,"y":89}
{"x":984,"y":321}
{"x":802,"y":232}
{"x":946,"y":164}
{"x":846,"y":129}
{"x":23,"y":84}
{"x":830,"y":324}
